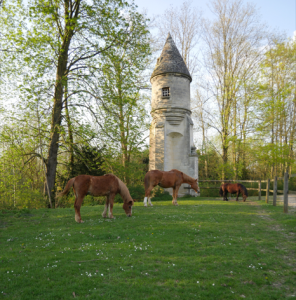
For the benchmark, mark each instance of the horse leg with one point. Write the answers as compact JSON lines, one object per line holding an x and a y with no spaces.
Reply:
{"x":237,"y":194}
{"x":77,"y":205}
{"x":104,"y":214}
{"x":225,"y":194}
{"x":175,"y":195}
{"x":147,"y":196}
{"x":111,"y":201}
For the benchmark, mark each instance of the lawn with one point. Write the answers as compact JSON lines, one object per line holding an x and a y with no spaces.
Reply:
{"x":202,"y":249}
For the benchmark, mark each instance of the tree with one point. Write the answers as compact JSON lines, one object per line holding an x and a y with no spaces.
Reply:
{"x":183,"y":23}
{"x":63,"y":38}
{"x":277,"y":107}
{"x":120,"y":114}
{"x":21,"y":177}
{"x":232,"y":53}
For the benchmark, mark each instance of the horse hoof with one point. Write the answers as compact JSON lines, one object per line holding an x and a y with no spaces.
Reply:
{"x":151,"y":204}
{"x":145,"y":205}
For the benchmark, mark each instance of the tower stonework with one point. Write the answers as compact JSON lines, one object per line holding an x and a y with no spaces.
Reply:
{"x":171,"y":131}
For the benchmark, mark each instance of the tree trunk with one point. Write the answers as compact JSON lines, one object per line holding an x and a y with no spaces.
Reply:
{"x":70,"y":132}
{"x":61,"y":75}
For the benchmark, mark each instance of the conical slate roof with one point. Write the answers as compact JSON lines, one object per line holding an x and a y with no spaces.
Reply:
{"x":170,"y":60}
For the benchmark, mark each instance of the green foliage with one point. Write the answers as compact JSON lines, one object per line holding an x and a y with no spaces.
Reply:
{"x":159,"y":194}
{"x":121,"y":114}
{"x":137,"y":192}
{"x":18,"y":187}
{"x":92,"y":201}
{"x":87,"y":160}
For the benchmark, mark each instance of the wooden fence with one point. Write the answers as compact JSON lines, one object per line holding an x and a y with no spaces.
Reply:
{"x":275,"y":190}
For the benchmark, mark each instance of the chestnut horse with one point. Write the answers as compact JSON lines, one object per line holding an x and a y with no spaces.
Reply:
{"x":172,"y":178}
{"x":233,"y":188}
{"x":108,"y":185}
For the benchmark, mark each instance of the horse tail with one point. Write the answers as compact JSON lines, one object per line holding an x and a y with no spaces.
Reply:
{"x":244,"y":190}
{"x":221,"y":191}
{"x":147,"y":180}
{"x":67,"y":188}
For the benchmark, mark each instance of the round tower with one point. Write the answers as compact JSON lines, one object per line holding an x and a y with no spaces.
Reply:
{"x":171,"y":131}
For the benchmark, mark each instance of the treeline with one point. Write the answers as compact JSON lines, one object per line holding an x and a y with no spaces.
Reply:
{"x":73,"y":101}
{"x":247,"y":97}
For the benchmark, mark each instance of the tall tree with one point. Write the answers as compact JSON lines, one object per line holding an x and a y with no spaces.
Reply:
{"x":232,"y":52}
{"x":277,"y":108}
{"x":120,"y":114}
{"x":184,"y":25}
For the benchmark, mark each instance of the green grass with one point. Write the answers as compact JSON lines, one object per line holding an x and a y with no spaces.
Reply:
{"x":202,"y":249}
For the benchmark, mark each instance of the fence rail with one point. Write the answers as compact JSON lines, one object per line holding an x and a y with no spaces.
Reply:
{"x":275,"y":190}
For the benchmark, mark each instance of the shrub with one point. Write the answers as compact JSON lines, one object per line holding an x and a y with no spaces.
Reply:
{"x":137,"y":192}
{"x":159,"y":194}
{"x":92,"y":201}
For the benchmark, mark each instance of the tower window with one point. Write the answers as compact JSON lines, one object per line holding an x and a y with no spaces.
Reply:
{"x":165,"y":92}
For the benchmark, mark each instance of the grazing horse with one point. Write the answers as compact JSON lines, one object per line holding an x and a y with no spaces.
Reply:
{"x":233,"y":188}
{"x":173,"y":178}
{"x":108,"y":185}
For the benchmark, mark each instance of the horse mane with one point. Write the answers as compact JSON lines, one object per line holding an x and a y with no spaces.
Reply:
{"x":187,"y":178}
{"x":123,"y":190}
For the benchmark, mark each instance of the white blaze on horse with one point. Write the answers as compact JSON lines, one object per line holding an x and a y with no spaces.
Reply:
{"x":173,"y":178}
{"x":108,"y":185}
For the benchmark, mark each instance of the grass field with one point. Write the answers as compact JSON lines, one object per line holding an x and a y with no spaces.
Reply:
{"x":202,"y":249}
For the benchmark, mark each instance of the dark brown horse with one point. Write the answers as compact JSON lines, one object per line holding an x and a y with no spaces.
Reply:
{"x":173,"y":178}
{"x":108,"y":185}
{"x":233,"y":188}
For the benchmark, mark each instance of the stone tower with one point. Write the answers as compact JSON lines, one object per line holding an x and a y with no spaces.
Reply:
{"x":171,"y":131}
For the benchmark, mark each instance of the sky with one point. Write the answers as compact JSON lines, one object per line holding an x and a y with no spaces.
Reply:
{"x":279,"y":15}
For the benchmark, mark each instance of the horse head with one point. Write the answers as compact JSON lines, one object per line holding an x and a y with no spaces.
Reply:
{"x":194,"y":186}
{"x":127,"y":206}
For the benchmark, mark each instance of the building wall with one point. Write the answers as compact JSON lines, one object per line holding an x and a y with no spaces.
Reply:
{"x":179,"y":91}
{"x":171,"y":138}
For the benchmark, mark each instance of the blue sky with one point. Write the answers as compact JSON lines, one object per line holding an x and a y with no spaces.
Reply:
{"x":279,"y":15}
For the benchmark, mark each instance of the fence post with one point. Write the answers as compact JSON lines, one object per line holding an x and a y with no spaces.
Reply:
{"x":267,"y":191}
{"x":274,"y":190}
{"x":259,"y":190}
{"x":286,"y":190}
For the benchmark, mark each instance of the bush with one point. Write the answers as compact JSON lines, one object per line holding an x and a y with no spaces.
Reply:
{"x":92,"y":201}
{"x":137,"y":192}
{"x":159,"y":194}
